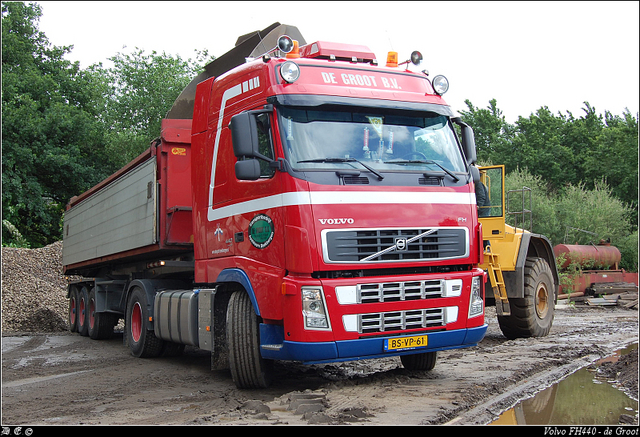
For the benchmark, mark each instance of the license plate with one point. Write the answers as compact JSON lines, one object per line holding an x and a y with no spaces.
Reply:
{"x":401,"y":343}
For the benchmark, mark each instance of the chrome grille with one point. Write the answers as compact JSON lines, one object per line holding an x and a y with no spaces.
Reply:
{"x":399,"y":291}
{"x":388,"y":245}
{"x":400,"y":320}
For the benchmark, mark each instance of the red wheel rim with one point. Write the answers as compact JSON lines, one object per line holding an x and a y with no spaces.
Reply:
{"x":81,"y":309}
{"x":92,"y":312}
{"x":136,"y":322}
{"x":72,"y":311}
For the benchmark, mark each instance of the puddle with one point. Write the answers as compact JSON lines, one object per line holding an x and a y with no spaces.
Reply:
{"x":582,"y":398}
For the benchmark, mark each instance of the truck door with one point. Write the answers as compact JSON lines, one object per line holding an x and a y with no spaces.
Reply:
{"x":258,"y":228}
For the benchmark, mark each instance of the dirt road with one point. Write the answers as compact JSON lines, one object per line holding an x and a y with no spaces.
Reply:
{"x":68,"y":379}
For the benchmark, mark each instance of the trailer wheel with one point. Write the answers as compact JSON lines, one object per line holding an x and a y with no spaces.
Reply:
{"x":426,"y":361}
{"x":100,"y":324}
{"x":73,"y":310}
{"x":82,"y":311}
{"x":143,"y":343}
{"x":248,"y":368}
{"x":532,"y":316}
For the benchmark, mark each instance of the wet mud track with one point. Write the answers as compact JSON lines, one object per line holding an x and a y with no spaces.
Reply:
{"x":66,"y":379}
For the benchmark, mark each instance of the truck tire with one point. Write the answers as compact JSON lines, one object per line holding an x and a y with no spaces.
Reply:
{"x":532,"y":316}
{"x":82,"y":311}
{"x":142,"y":342}
{"x":73,"y":310}
{"x":100,"y":325}
{"x":248,"y":368}
{"x":426,"y":361}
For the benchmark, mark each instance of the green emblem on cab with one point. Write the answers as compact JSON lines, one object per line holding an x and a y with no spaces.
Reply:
{"x":261,"y":231}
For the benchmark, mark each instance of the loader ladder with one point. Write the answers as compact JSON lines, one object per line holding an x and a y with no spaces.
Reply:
{"x":497,"y":282}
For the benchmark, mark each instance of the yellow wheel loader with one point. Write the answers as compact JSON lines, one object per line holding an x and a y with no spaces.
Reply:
{"x":520,"y":265}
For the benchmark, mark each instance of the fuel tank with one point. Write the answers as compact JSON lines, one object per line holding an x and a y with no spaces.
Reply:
{"x":590,"y":257}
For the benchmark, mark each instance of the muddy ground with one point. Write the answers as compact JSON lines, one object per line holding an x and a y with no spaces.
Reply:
{"x":65,"y":379}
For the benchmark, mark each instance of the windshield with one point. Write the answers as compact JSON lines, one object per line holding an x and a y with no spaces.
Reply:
{"x":315,"y":139}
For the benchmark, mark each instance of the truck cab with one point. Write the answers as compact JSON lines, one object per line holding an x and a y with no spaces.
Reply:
{"x":337,"y":195}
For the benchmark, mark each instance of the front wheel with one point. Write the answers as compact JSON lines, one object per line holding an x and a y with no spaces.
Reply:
{"x":532,"y":316}
{"x":248,"y":368}
{"x":425,"y":361}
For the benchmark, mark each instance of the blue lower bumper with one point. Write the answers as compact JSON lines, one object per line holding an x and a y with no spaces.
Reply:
{"x":276,"y":348}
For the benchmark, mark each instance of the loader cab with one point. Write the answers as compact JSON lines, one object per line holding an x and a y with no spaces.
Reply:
{"x":490,"y":201}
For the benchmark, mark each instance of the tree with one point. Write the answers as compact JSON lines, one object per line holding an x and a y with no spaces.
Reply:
{"x":140,"y":89}
{"x":561,"y":215}
{"x":614,"y":158}
{"x":493,"y":135}
{"x":51,"y":138}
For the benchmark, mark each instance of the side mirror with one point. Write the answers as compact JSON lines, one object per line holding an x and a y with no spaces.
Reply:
{"x":244,"y":135}
{"x":248,"y":170}
{"x":469,"y":144}
{"x":246,"y":144}
{"x":468,"y":141}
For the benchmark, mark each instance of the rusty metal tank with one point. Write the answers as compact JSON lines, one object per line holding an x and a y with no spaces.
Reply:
{"x":600,"y":257}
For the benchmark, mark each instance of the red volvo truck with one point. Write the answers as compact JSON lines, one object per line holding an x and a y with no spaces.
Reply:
{"x":301,"y":203}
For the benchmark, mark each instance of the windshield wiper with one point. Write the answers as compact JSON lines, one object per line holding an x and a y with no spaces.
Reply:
{"x":380,"y":177}
{"x":423,"y":161}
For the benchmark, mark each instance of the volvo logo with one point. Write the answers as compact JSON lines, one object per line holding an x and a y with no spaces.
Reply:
{"x":401,"y":244}
{"x":337,"y":221}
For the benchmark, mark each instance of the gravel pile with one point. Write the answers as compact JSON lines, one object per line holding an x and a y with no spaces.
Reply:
{"x":33,"y":290}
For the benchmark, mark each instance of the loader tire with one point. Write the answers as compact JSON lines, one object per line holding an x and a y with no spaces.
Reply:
{"x":142,"y":341}
{"x":248,"y":368}
{"x":532,"y":316}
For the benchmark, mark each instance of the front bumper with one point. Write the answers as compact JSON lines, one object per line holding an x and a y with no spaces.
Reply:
{"x":276,"y":348}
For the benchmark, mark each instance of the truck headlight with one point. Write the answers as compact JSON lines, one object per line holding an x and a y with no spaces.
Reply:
{"x":314,"y":309}
{"x":440,"y":84}
{"x":476,"y":303}
{"x":289,"y":71}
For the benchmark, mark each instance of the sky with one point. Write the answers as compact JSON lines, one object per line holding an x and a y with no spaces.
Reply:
{"x":526,"y":55}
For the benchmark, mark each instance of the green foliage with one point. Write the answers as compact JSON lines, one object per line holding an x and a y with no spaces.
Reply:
{"x":560,"y":215}
{"x":583,"y":171}
{"x":138,"y":91}
{"x":493,"y":135}
{"x":65,"y":129}
{"x":51,"y":140}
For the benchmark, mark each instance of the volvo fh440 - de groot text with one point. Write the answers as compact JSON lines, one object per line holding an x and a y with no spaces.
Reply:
{"x":301,"y":203}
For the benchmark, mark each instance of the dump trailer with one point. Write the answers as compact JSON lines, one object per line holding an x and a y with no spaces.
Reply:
{"x":303,"y":202}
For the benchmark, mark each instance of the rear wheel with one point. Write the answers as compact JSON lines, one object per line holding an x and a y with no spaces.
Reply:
{"x":532,"y":316}
{"x":73,"y":310}
{"x":82,"y":311}
{"x":142,"y":341}
{"x":100,"y":325}
{"x":426,"y":361}
{"x":248,"y":368}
